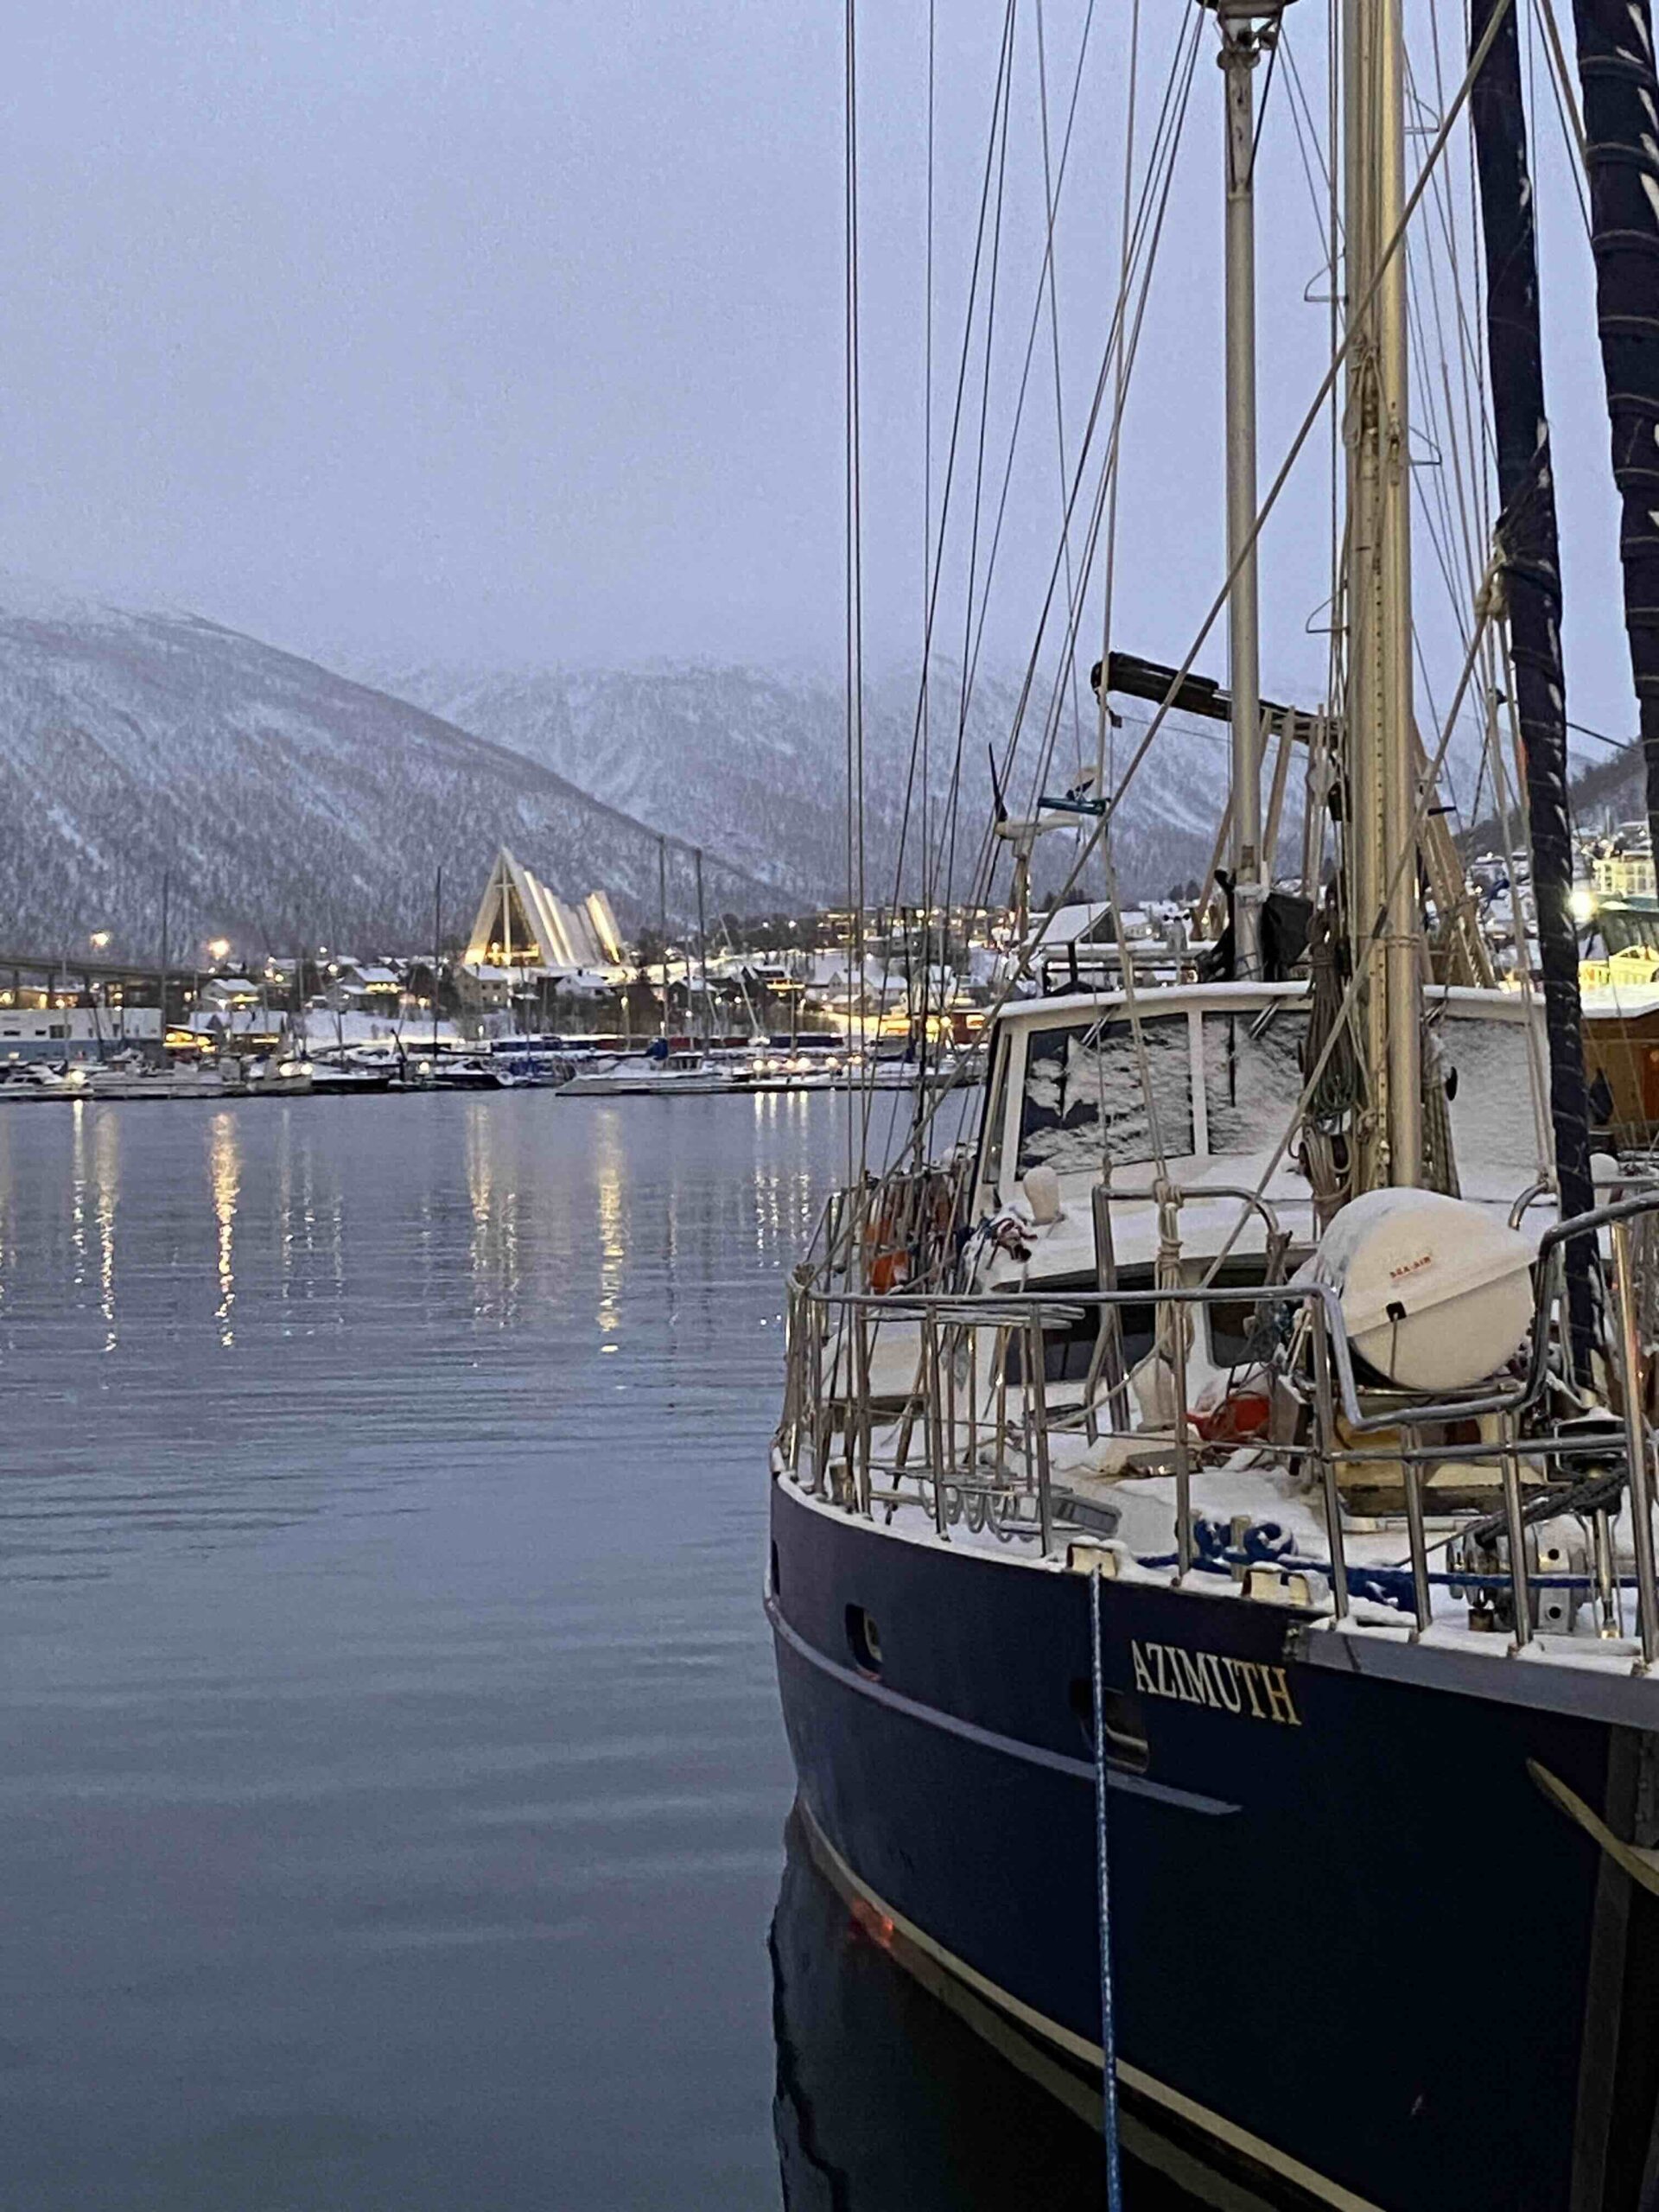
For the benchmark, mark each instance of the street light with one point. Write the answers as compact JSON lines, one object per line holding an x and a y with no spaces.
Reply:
{"x":220,"y":947}
{"x":100,"y":938}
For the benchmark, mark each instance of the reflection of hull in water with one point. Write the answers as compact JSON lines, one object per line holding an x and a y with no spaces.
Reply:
{"x":896,"y":2087}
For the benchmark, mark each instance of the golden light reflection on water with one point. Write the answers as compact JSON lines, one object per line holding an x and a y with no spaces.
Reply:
{"x":659,"y":1201}
{"x":82,"y":1113}
{"x":225,"y":1175}
{"x":106,"y":1180}
{"x":613,"y":1233}
{"x":492,"y":1194}
{"x":6,"y":1190}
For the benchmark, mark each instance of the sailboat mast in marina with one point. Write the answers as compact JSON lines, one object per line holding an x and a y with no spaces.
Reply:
{"x":1222,"y":1485}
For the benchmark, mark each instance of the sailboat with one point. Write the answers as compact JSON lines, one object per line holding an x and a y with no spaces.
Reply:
{"x":1211,"y":1566}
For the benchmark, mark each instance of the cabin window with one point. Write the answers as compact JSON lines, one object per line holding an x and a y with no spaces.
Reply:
{"x":1493,"y":1139}
{"x":1083,"y":1097}
{"x":1069,"y":1349}
{"x":1252,"y":1076}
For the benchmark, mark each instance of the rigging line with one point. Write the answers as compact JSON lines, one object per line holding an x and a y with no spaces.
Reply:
{"x":1470,"y":346}
{"x":929,"y":857}
{"x":1455,"y":445}
{"x":854,"y":540}
{"x":1441,"y":202}
{"x":1356,"y":321}
{"x":1473,"y":492}
{"x":1261,"y":108}
{"x":1434,"y":506}
{"x":1317,"y":198}
{"x":1537,"y":1076}
{"x":1036,"y":314}
{"x":978,"y":468}
{"x":1618,"y":744}
{"x":1336,"y":257}
{"x":1045,"y":276}
{"x":1299,"y":92}
{"x":1001,"y":99}
{"x":1565,"y":76}
{"x":963,"y":360}
{"x":1054,"y":329}
{"x":984,"y":863}
{"x":1407,"y":855}
{"x":1568,"y":113}
{"x":925,"y":703}
{"x":1159,"y":180}
{"x":1166,"y":135}
{"x":1105,"y":752}
{"x":979,"y":478}
{"x":1470,"y":350}
{"x":1391,"y":247}
{"x":1172,"y":114}
{"x":1563,"y":81}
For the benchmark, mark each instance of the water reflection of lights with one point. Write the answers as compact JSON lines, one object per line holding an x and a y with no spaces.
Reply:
{"x":613,"y":1233}
{"x":78,"y":1193}
{"x":7,"y":1188}
{"x":225,"y":1172}
{"x":106,"y":1162}
{"x":494,"y":1198}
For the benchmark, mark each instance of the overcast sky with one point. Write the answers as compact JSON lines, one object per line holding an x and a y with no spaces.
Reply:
{"x":488,"y":330}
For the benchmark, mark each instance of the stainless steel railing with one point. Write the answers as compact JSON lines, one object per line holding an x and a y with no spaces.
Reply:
{"x":944,"y":1401}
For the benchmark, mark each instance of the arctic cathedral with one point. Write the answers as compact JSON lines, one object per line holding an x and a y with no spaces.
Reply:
{"x":523,"y":926}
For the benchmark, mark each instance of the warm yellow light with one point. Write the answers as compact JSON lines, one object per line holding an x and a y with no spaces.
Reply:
{"x":1581,"y":903}
{"x":220,"y":947}
{"x":100,"y":938}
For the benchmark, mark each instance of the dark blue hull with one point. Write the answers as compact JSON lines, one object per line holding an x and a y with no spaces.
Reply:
{"x":1356,"y":1941}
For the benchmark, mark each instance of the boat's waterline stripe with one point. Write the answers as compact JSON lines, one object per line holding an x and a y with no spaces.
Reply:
{"x":1078,"y":2047}
{"x":1163,"y":1793}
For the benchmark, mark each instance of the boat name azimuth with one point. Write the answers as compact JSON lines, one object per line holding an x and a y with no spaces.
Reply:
{"x":1246,"y":1686}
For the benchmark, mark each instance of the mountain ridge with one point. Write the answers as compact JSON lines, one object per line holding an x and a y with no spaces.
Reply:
{"x":283,"y":801}
{"x":771,"y":749}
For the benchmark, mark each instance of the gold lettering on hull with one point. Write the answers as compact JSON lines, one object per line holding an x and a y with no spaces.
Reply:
{"x":1246,"y":1686}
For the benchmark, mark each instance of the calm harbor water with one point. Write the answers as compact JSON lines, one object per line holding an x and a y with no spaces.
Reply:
{"x":393,"y":1802}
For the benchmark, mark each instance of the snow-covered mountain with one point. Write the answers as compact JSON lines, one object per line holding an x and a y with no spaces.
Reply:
{"x":752,"y":764}
{"x":286,"y":804}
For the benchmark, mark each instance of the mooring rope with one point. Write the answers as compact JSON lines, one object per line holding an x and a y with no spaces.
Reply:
{"x":1103,"y":1893}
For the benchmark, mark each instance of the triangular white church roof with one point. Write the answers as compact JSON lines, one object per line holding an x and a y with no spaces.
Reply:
{"x":522,"y":924}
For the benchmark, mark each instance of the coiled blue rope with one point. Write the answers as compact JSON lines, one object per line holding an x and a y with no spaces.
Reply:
{"x":1266,"y":1544}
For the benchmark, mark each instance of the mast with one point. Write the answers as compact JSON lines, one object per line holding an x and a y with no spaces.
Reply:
{"x":1383,"y":784}
{"x":1249,"y":28}
{"x":162,"y":1000}
{"x":1621,"y":99}
{"x":1529,"y":564}
{"x":662,"y":908}
{"x":702,"y":946}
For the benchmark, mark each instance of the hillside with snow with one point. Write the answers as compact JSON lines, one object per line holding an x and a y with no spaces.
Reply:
{"x":285,"y":804}
{"x":288,"y":804}
{"x":752,"y":764}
